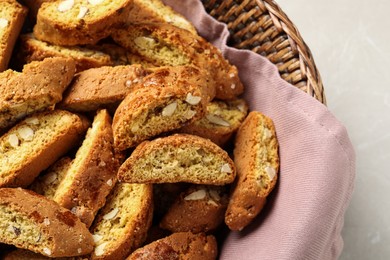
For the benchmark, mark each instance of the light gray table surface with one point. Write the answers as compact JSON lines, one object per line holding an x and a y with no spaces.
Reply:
{"x":350,"y":42}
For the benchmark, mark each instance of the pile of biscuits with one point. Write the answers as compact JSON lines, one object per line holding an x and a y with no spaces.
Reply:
{"x":123,"y":134}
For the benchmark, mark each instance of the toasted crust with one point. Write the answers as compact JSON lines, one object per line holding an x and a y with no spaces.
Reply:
{"x":38,"y":87}
{"x":178,"y":158}
{"x":70,"y":23}
{"x":168,"y":45}
{"x":122,"y":224}
{"x":184,"y":245}
{"x":221,"y":121}
{"x":12,"y":16}
{"x":33,"y":7}
{"x":37,"y":142}
{"x":32,"y":49}
{"x":257,"y":161}
{"x":41,"y":225}
{"x":157,"y":12}
{"x":92,"y":174}
{"x":103,"y":87}
{"x":198,"y":209}
{"x":165,"y":100}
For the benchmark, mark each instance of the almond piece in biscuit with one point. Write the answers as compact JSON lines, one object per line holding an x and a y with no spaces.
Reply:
{"x":178,"y":158}
{"x":38,"y":87}
{"x":33,"y":222}
{"x":257,"y":161}
{"x":77,"y":22}
{"x":164,"y":101}
{"x":221,"y":121}
{"x":122,"y":224}
{"x":36,"y":143}
{"x":47,"y":183}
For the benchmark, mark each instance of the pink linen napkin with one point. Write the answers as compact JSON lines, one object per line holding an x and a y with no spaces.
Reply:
{"x":305,"y":213}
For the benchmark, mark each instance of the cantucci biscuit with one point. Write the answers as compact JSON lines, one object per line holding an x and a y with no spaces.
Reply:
{"x":257,"y":161}
{"x":168,"y":45}
{"x":32,"y":49}
{"x":37,"y":142}
{"x":103,"y":87}
{"x":165,"y":100}
{"x":38,"y":87}
{"x":79,"y":22}
{"x":12,"y":16}
{"x":156,"y":11}
{"x":178,"y":158}
{"x":221,"y":121}
{"x":47,"y":183}
{"x":33,"y":222}
{"x":92,"y":173}
{"x":22,"y":254}
{"x":122,"y":224}
{"x":183,"y":245}
{"x":198,"y":209}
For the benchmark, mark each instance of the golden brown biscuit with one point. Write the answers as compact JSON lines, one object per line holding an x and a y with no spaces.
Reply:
{"x":198,"y":209}
{"x":168,"y":45}
{"x":221,"y":121}
{"x":12,"y":16}
{"x":38,"y":87}
{"x":184,"y":246}
{"x":157,"y":12}
{"x":37,"y":142}
{"x":31,"y":49}
{"x":257,"y":161}
{"x":103,"y":87}
{"x":92,"y":173}
{"x":122,"y":224}
{"x":76,"y":22}
{"x":33,"y":222}
{"x":178,"y":158}
{"x":165,"y":100}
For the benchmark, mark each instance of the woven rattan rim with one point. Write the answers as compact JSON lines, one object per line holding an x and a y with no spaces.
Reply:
{"x":261,"y":26}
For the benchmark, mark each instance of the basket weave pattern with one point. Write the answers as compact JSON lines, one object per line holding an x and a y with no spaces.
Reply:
{"x":261,"y":26}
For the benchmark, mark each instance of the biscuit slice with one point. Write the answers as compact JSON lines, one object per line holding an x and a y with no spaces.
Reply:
{"x":183,"y":245}
{"x":38,"y":87}
{"x":198,"y":209}
{"x":103,"y":87}
{"x":92,"y":174}
{"x":178,"y":158}
{"x":47,"y":183}
{"x":122,"y":224}
{"x":221,"y":121}
{"x":168,"y":45}
{"x":257,"y":161}
{"x":36,"y":143}
{"x":166,"y":100}
{"x":32,"y":49}
{"x":33,"y":222}
{"x":157,"y":12}
{"x":79,"y":22}
{"x":12,"y":16}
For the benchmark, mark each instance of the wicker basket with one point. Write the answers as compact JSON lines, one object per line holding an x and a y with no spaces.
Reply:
{"x":261,"y":26}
